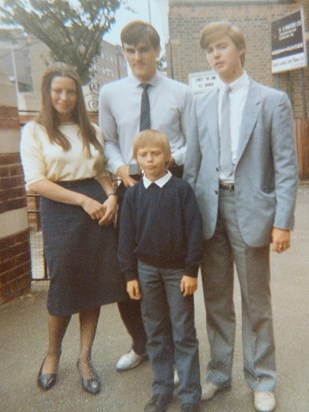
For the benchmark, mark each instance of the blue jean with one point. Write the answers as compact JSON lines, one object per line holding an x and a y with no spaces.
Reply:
{"x":171,"y":335}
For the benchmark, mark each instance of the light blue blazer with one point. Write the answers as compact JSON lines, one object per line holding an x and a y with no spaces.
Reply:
{"x":266,"y":166}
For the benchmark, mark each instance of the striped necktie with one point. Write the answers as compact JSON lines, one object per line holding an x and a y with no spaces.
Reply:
{"x":144,"y":122}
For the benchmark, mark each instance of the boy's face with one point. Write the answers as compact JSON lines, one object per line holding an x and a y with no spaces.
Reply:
{"x":225,"y":58}
{"x":152,"y":160}
{"x":142,"y":59}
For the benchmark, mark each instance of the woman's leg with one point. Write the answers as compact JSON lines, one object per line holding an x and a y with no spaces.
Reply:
{"x":57,"y":326}
{"x":88,"y":326}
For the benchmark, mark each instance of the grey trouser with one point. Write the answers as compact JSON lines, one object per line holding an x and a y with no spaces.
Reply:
{"x":224,"y":249}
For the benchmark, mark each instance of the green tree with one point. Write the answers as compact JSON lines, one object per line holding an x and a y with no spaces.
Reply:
{"x":72,"y":30}
{"x":161,"y":63}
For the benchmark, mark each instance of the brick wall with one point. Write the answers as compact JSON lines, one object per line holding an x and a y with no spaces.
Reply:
{"x":14,"y":265}
{"x":188,"y":17}
{"x":12,"y":192}
{"x":15,"y":274}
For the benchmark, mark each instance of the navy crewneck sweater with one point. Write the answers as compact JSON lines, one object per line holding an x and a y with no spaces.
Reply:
{"x":161,"y":227}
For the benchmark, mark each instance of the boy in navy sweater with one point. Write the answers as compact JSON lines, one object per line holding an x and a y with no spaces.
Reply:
{"x":160,"y":249}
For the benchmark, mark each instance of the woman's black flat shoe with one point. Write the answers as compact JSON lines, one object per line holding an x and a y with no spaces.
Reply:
{"x":91,"y":385}
{"x":47,"y":380}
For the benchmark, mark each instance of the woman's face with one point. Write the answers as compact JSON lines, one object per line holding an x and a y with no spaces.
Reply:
{"x":63,"y":95}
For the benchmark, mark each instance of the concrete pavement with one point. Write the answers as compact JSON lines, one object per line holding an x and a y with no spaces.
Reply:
{"x":23,"y":339}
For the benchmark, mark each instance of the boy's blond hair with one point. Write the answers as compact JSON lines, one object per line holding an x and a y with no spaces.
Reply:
{"x":151,"y":137}
{"x":214,"y":30}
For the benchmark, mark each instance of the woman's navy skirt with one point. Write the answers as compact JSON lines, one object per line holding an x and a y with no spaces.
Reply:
{"x":81,"y":256}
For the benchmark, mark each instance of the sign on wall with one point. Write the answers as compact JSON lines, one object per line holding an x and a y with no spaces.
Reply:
{"x":202,"y":81}
{"x":288,"y":43}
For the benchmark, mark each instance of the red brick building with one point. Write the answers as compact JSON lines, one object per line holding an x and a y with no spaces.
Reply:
{"x":188,"y":17}
{"x":14,"y":233}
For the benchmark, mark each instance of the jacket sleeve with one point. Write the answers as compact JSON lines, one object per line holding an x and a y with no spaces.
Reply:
{"x":126,"y":244}
{"x":285,"y":163}
{"x":193,"y":155}
{"x":184,"y":119}
{"x":193,"y":231}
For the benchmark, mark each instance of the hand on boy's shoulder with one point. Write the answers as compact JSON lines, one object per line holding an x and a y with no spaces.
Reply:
{"x":133,"y":289}
{"x":188,"y":285}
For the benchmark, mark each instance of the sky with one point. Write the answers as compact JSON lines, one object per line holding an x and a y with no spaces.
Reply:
{"x":142,"y":12}
{"x":155,"y":11}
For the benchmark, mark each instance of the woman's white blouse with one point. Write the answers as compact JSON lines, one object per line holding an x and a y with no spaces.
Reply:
{"x":44,"y":160}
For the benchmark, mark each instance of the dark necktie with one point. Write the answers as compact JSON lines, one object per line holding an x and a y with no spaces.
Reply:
{"x":144,"y":122}
{"x":225,"y":136}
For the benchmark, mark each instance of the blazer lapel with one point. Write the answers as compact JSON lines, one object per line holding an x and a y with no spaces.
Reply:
{"x":213,"y":120}
{"x":249,"y":117}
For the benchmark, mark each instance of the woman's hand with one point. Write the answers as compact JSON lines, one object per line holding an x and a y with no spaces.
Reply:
{"x":110,"y":209}
{"x":95,"y":209}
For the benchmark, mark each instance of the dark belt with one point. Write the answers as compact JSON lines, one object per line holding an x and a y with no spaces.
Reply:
{"x":227,"y":186}
{"x":74,"y":182}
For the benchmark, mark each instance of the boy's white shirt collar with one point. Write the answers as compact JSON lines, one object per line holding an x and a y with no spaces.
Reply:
{"x":160,"y":182}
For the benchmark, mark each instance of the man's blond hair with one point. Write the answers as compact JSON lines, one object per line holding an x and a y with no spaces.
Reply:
{"x":215,"y":30}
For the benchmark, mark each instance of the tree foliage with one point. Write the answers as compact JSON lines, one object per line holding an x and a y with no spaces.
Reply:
{"x":72,"y":30}
{"x":161,"y":63}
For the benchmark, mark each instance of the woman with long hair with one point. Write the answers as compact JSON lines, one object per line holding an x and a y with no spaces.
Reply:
{"x":63,"y":160}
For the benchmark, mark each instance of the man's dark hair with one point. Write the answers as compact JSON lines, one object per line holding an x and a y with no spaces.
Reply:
{"x":139,"y":31}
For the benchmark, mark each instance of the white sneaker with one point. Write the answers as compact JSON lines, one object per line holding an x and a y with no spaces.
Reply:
{"x":176,"y":377}
{"x":130,"y":360}
{"x":264,"y":401}
{"x":208,"y":390}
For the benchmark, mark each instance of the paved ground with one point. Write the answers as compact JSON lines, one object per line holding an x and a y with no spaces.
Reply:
{"x":23,"y":337}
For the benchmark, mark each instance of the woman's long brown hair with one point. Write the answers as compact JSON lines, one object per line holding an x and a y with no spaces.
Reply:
{"x":49,"y":118}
